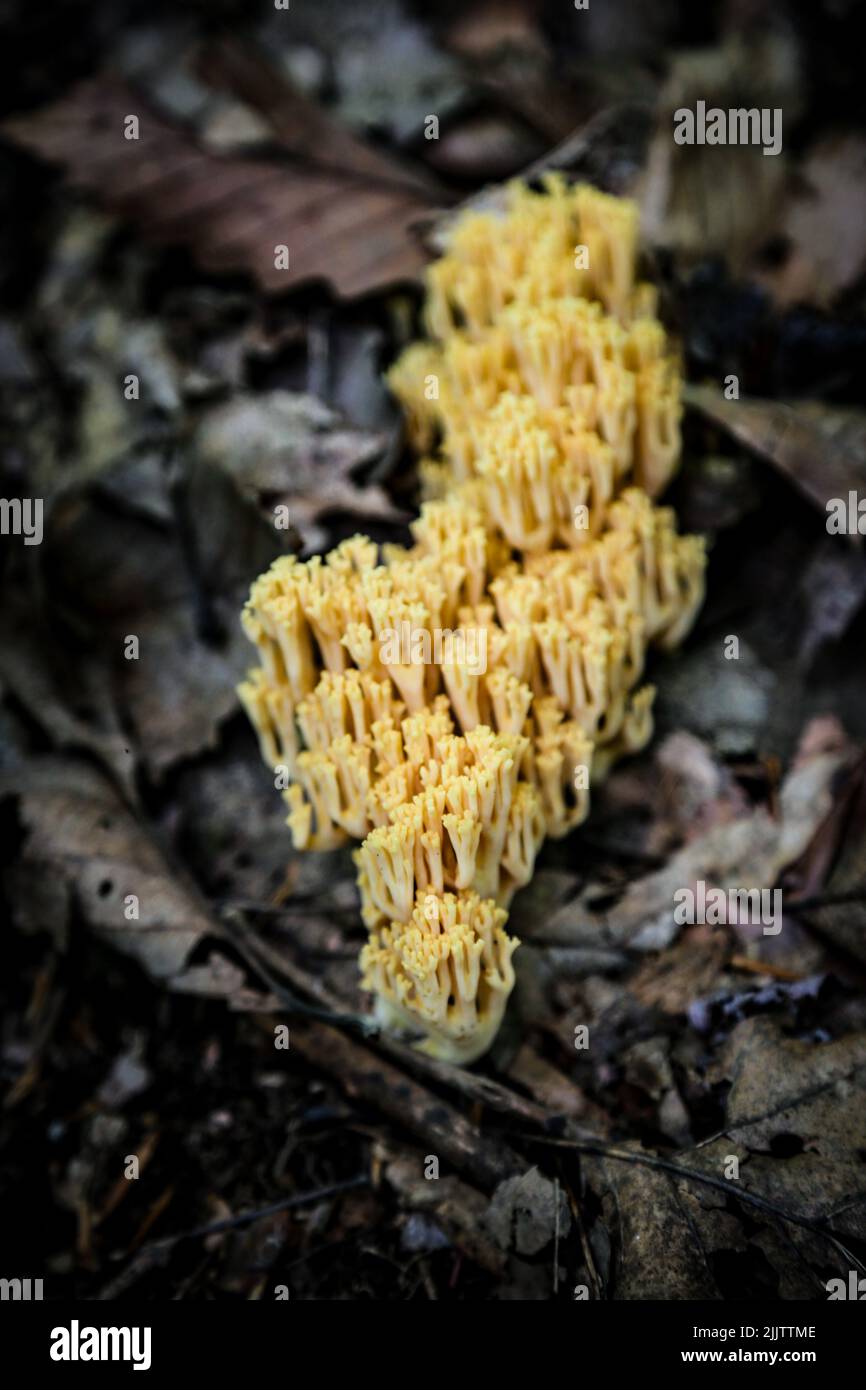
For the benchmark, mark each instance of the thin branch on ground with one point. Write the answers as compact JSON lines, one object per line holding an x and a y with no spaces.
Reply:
{"x":156,"y":1251}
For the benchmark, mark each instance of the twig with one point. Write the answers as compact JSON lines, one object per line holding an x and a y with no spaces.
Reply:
{"x":156,"y":1251}
{"x":244,"y":1218}
{"x":366,"y":1076}
{"x":474,"y":1086}
{"x":764,"y":967}
{"x":247,"y":945}
{"x":588,"y":1255}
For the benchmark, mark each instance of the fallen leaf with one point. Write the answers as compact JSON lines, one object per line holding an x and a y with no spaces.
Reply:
{"x":749,"y":852}
{"x":646,"y":1066}
{"x":177,"y":589}
{"x":291,"y":450}
{"x":692,"y":790}
{"x":672,"y":980}
{"x":300,"y":126}
{"x":651,"y":1223}
{"x":81,"y":832}
{"x":34,"y":668}
{"x":820,"y":448}
{"x":232,"y":213}
{"x":796,"y":1109}
{"x":527,"y":1213}
{"x":547,"y":1084}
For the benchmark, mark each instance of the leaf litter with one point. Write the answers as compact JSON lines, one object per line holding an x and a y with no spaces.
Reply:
{"x":608,"y":1167}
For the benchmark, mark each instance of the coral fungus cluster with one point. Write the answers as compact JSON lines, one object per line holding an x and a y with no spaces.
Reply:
{"x":447,"y":704}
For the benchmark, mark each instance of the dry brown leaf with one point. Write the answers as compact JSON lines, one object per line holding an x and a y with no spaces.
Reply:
{"x":820,"y":448}
{"x":81,"y":833}
{"x":800,"y":1103}
{"x":352,"y":231}
{"x":547,"y":1085}
{"x":690,"y":968}
{"x":302,"y":127}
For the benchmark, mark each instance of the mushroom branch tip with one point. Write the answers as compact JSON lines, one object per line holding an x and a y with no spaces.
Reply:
{"x":446,"y":974}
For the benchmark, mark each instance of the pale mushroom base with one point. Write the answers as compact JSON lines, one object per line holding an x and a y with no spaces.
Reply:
{"x":445,"y":1046}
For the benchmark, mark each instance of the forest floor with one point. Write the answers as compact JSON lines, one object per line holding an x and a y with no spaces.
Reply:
{"x":711,"y":1141}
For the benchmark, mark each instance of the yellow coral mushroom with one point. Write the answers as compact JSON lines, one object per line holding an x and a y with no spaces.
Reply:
{"x":447,"y":704}
{"x":445,"y":974}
